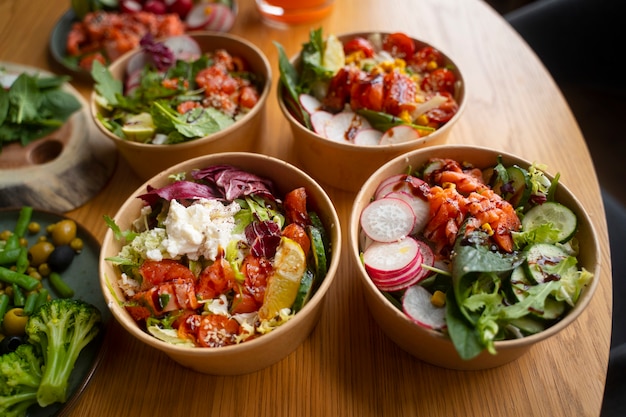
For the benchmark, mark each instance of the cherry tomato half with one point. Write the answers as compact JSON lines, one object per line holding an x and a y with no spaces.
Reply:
{"x":399,"y":45}
{"x":423,"y":58}
{"x":444,"y":112}
{"x":359,"y":44}
{"x":441,"y":79}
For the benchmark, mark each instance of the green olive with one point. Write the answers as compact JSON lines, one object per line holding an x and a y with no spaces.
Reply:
{"x":63,"y":232}
{"x":39,"y":253}
{"x":77,"y":244}
{"x":34,"y":228}
{"x":14,"y":322}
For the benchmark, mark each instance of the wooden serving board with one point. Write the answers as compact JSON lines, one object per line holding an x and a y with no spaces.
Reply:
{"x":61,"y":171}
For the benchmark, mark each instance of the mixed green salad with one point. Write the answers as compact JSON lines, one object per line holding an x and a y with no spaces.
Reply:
{"x":481,"y":255}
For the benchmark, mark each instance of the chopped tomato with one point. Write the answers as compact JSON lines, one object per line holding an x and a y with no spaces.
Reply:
{"x":256,"y":271}
{"x":156,"y":272}
{"x":427,"y":59}
{"x":359,"y":44}
{"x":399,"y":45}
{"x":298,"y":234}
{"x":215,"y":279}
{"x":439,"y":80}
{"x":216,"y":330}
{"x":444,"y":112}
{"x":295,"y":207}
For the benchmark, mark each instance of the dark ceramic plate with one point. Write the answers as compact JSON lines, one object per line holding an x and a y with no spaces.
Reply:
{"x":82,"y":276}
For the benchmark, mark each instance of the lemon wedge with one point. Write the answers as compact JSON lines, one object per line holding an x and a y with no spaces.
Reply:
{"x":333,"y":58}
{"x":283,"y":284}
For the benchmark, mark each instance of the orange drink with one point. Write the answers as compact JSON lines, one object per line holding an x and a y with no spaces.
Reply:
{"x":293,"y":12}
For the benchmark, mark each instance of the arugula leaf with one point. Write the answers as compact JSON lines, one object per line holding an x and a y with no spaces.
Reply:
{"x":105,"y":85}
{"x":195,"y":123}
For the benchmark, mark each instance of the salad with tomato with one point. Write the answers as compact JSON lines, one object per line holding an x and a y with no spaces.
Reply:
{"x":172,"y":92}
{"x":217,"y":257}
{"x":479,"y":254}
{"x":370,"y":89}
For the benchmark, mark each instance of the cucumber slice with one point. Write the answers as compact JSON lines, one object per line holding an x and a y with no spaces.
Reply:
{"x":528,"y":325}
{"x":517,"y":188}
{"x":560,"y":217}
{"x":518,"y":285}
{"x":552,"y":309}
{"x":538,"y":257}
{"x":319,"y":251}
{"x":304,"y":291}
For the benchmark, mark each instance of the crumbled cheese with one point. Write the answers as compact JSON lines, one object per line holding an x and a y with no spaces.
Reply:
{"x":218,"y":305}
{"x":200,"y":229}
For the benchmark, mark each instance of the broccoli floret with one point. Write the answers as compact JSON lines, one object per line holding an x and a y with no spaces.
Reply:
{"x":20,"y":375}
{"x":60,"y":329}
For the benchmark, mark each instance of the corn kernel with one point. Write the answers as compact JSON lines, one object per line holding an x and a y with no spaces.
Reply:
{"x":487,"y":228}
{"x":431,"y":66}
{"x":438,"y":299}
{"x":422,"y":119}
{"x":405,"y":116}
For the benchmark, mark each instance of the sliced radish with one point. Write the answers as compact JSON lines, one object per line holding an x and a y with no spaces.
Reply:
{"x":387,"y":220}
{"x":344,"y":126}
{"x":130,"y":6}
{"x":420,"y":207}
{"x":133,"y":80}
{"x":417,"y":305}
{"x":402,"y":182}
{"x":399,"y":134}
{"x":210,"y":16}
{"x":184,"y":47}
{"x":367,"y":137}
{"x":154,"y":6}
{"x":386,"y":259}
{"x":309,"y":103}
{"x":319,"y":120}
{"x":137,"y":62}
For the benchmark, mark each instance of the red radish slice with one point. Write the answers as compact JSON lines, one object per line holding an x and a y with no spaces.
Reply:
{"x":420,"y":207}
{"x":387,"y":220}
{"x":133,"y":80}
{"x":389,"y":258}
{"x":309,"y":103}
{"x":210,"y":16}
{"x":130,"y":6}
{"x":136,"y":62}
{"x":417,"y":306}
{"x":399,"y":134}
{"x":367,"y":137}
{"x":403,"y":182}
{"x":183,"y":47}
{"x":408,"y":277}
{"x":320,"y":120}
{"x":344,"y":126}
{"x":155,"y":6}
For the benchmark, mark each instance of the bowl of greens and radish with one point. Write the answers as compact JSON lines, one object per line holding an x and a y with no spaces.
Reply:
{"x":357,"y":100}
{"x":469,"y":256}
{"x":159,"y":105}
{"x":240,"y":250}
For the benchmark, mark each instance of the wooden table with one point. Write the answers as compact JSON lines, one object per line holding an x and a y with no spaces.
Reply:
{"x":348,"y":367}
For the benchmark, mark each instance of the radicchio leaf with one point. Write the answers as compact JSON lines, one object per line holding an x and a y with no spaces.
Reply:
{"x":234,"y":182}
{"x":179,"y":190}
{"x":263,"y":238}
{"x":161,"y":55}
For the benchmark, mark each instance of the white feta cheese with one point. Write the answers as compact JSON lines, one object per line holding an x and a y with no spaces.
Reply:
{"x":200,"y":229}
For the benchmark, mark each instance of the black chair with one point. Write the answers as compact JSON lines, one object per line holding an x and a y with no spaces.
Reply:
{"x":581,"y":43}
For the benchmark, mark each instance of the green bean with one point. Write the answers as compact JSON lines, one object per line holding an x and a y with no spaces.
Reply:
{"x":18,"y":296}
{"x":31,"y":303}
{"x":11,"y":277}
{"x":9,"y":256}
{"x":21,"y":264}
{"x":26,"y":213}
{"x":42,"y":297}
{"x":4,"y":305}
{"x":60,"y":286}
